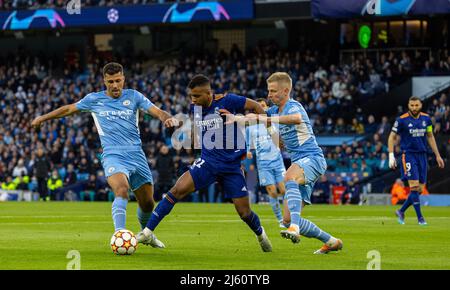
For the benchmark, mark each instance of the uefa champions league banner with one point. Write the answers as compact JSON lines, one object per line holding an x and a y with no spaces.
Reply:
{"x":227,"y":10}
{"x":355,"y":8}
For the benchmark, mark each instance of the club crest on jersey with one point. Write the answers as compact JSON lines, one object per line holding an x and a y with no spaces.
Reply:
{"x":216,"y":110}
{"x":424,"y":123}
{"x":410,"y":125}
{"x":126,"y":102}
{"x":111,"y":169}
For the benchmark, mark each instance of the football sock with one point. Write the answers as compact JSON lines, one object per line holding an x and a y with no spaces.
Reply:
{"x":416,"y":203}
{"x":119,"y":212}
{"x":310,"y":230}
{"x":143,"y":217}
{"x":408,"y":202}
{"x":252,"y":220}
{"x":164,"y":207}
{"x":294,"y":202}
{"x":276,"y":207}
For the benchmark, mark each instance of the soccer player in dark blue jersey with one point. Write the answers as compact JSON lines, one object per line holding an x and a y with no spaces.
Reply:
{"x":220,"y":158}
{"x":415,"y":130}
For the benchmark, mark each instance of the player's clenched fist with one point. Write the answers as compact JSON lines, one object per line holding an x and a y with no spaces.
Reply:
{"x":171,"y":122}
{"x":36,"y":123}
{"x":392,"y":161}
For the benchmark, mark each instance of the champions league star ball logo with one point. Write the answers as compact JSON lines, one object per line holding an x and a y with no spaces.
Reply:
{"x":113,"y":15}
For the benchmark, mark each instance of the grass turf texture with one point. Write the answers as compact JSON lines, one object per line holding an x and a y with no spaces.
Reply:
{"x":211,"y":236}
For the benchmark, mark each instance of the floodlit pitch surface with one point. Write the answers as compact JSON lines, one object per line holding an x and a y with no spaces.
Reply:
{"x":211,"y":236}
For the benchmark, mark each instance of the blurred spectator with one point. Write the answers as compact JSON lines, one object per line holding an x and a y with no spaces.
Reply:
{"x":54,"y":184}
{"x":398,"y":192}
{"x":357,"y":127}
{"x":9,"y":184}
{"x":322,"y":191}
{"x":71,"y":176}
{"x":41,"y":169}
{"x":89,"y":189}
{"x":371,"y":126}
{"x":384,"y":129}
{"x":20,"y":169}
{"x":383,"y":163}
{"x":352,"y":193}
{"x":166,"y":171}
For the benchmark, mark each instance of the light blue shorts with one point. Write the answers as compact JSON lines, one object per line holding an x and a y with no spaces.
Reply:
{"x":271,"y":176}
{"x":314,"y":167}
{"x":131,"y":163}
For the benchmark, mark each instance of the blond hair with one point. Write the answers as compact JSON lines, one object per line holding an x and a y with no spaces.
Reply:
{"x":281,"y":77}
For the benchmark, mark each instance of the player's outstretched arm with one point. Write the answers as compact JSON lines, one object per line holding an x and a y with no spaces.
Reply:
{"x":164,"y":117}
{"x":391,"y":143}
{"x":254,"y":106}
{"x":432,"y":142}
{"x":61,"y":112}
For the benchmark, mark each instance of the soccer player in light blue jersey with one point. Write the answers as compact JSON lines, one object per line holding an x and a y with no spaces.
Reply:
{"x":116,"y":115}
{"x":289,"y":119}
{"x":269,"y":161}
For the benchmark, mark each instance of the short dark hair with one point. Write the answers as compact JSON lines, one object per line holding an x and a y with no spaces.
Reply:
{"x":198,"y":81}
{"x":112,"y":68}
{"x":414,"y":98}
{"x":259,"y":100}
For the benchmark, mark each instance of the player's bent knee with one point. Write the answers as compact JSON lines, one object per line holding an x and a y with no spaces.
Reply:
{"x":121,"y":191}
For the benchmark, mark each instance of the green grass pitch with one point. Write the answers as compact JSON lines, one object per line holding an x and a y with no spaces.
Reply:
{"x":211,"y":236}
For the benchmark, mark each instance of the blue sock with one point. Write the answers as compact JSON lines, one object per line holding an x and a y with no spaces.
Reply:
{"x":119,"y":212}
{"x":294,"y":199}
{"x":253,"y":222}
{"x":164,"y":207}
{"x":416,"y":203}
{"x":310,"y":230}
{"x":276,"y":207}
{"x":406,"y":204}
{"x":143,"y":217}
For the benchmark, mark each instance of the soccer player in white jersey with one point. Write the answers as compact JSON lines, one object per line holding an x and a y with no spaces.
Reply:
{"x":290,"y":120}
{"x":116,"y":114}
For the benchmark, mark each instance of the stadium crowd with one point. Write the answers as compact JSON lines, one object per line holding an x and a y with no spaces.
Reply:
{"x":32,"y":85}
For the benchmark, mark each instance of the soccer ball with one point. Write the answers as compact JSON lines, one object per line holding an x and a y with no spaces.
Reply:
{"x":123,"y":242}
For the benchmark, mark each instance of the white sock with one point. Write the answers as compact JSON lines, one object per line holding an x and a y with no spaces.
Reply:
{"x":331,"y":241}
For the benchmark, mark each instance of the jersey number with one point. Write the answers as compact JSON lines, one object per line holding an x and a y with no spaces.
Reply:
{"x":408,"y":167}
{"x":198,"y":163}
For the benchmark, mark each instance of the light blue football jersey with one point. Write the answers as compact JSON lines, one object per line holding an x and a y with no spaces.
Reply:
{"x":268,"y":155}
{"x":116,"y":119}
{"x":299,"y":140}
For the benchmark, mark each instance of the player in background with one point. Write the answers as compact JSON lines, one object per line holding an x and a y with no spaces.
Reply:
{"x":289,"y":118}
{"x":215,"y":164}
{"x":269,"y":161}
{"x":415,"y":131}
{"x":116,"y":115}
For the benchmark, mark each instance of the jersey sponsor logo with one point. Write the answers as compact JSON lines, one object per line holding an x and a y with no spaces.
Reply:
{"x":211,"y":124}
{"x":417,"y":132}
{"x":244,"y":188}
{"x":126,"y":103}
{"x":410,"y":125}
{"x":113,"y":115}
